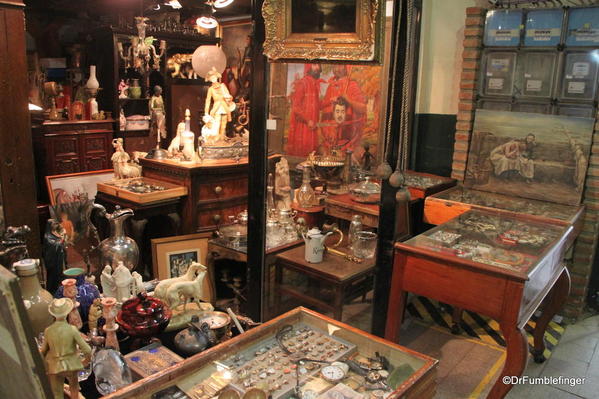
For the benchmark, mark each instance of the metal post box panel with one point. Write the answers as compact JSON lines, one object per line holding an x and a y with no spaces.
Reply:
{"x":533,"y":108}
{"x":535,"y":74}
{"x":498,"y":73}
{"x":495,"y":105}
{"x":503,"y":27}
{"x":543,"y":27}
{"x":583,"y":27}
{"x":576,"y":111}
{"x":579,"y":81}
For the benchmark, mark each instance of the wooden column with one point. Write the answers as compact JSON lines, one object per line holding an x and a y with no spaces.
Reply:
{"x":16,"y":149}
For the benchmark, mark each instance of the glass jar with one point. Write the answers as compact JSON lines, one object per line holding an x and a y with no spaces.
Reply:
{"x":365,"y":244}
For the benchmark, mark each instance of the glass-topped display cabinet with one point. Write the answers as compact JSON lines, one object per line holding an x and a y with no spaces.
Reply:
{"x":447,"y":204}
{"x":301,"y":354}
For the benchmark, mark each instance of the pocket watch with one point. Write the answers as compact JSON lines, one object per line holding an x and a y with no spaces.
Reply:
{"x":334,"y":372}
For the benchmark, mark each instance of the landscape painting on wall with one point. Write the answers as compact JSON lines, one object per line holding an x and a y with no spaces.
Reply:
{"x":537,"y":156}
{"x":332,"y":107}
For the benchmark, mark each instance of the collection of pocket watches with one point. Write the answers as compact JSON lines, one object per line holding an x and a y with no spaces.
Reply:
{"x":267,"y":364}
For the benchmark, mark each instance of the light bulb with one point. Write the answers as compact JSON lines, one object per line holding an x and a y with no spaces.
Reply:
{"x":207,"y":22}
{"x":221,"y":3}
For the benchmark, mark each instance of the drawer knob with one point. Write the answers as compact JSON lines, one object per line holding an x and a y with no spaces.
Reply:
{"x":216,"y":219}
{"x":218,"y":190}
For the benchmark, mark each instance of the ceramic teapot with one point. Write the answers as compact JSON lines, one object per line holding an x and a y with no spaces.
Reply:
{"x":314,"y":240}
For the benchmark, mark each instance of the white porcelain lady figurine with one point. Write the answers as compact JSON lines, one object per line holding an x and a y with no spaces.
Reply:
{"x":188,"y":139}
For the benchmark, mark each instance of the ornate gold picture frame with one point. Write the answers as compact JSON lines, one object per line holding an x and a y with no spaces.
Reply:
{"x":322,"y":30}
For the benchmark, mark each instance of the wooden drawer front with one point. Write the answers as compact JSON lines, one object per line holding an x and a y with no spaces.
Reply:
{"x":206,"y":217}
{"x":220,"y":190}
{"x":66,"y":146}
{"x":95,"y":163}
{"x":77,"y":127}
{"x":62,"y":165}
{"x":94,"y":144}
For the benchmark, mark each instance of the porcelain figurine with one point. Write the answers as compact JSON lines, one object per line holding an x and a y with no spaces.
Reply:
{"x":70,"y":291}
{"x":121,"y":284}
{"x":123,"y":169}
{"x":184,"y":291}
{"x":219,"y":103}
{"x":95,"y":312}
{"x":209,"y":130}
{"x":282,"y":184}
{"x":54,"y":253}
{"x":36,"y":298}
{"x":175,"y":144}
{"x":107,"y":282}
{"x":123,"y":87}
{"x":61,"y":350}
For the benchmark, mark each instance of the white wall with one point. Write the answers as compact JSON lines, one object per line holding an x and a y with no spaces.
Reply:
{"x":441,"y":36}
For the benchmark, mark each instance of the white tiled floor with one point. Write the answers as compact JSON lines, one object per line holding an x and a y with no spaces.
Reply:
{"x":577,"y":355}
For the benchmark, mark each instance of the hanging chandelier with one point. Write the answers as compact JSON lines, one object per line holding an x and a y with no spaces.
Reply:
{"x":142,"y":54}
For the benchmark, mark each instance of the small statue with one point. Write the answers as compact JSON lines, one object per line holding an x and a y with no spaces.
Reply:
{"x":181,"y":290}
{"x":61,"y":347}
{"x":55,"y":253}
{"x":70,"y":292}
{"x":122,"y":121}
{"x":95,"y":312}
{"x":120,"y":162}
{"x":123,"y":87}
{"x":283,"y":184}
{"x":188,"y":139}
{"x":107,"y":282}
{"x":175,"y":144}
{"x":122,"y":279}
{"x":109,"y":313}
{"x":219,"y":103}
{"x":158,"y":113}
{"x":367,"y":158}
{"x":209,"y":130}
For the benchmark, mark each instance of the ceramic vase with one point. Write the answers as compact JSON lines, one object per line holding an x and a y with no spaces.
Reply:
{"x":36,"y":298}
{"x":86,"y":292}
{"x":70,"y":291}
{"x":134,"y":89}
{"x":92,"y":84}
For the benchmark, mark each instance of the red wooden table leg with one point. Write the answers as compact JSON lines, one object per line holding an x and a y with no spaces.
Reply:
{"x":515,"y":361}
{"x":553,"y":303}
{"x":397,"y":300}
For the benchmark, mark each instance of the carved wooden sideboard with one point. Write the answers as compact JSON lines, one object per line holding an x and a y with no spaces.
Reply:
{"x":216,"y":189}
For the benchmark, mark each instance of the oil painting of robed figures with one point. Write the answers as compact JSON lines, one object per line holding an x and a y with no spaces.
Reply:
{"x":537,"y":156}
{"x":332,"y":107}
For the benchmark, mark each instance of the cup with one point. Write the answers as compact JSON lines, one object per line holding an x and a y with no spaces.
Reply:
{"x":364,"y":245}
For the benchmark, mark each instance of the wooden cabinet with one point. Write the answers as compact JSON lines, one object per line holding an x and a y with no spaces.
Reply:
{"x":73,"y":146}
{"x":216,"y":189}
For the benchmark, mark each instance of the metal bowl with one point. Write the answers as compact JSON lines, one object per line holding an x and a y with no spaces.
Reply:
{"x":219,"y":322}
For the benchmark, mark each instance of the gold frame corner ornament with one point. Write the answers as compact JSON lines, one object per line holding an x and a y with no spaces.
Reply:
{"x":282,"y":44}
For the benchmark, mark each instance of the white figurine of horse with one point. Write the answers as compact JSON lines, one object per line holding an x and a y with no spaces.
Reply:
{"x":162,"y":287}
{"x":184,"y":292}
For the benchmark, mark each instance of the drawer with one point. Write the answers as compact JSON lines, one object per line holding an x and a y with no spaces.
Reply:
{"x":65,"y":146}
{"x":207,"y":218}
{"x":77,"y":128}
{"x":98,"y":162}
{"x":94,"y":144}
{"x":220,"y":190}
{"x":62,"y":165}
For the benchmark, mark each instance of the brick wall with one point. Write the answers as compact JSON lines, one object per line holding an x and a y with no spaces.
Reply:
{"x":585,"y":246}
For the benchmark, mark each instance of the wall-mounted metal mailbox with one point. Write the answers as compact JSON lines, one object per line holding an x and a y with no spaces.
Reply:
{"x":543,"y":27}
{"x":503,"y":27}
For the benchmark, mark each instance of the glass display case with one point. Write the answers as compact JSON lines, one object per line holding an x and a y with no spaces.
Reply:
{"x":498,"y":73}
{"x":316,"y":357}
{"x":443,"y":206}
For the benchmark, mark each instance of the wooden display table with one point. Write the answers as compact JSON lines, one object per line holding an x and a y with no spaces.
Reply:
{"x":491,"y":263}
{"x":343,"y":207}
{"x":348,"y":280}
{"x":204,"y":371}
{"x":216,"y":189}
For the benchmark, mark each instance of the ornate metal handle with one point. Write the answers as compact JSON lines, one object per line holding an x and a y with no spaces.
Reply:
{"x":216,"y":218}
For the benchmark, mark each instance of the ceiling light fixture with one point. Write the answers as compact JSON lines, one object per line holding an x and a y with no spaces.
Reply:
{"x":222,"y":3}
{"x":207,"y":22}
{"x":174,"y":4}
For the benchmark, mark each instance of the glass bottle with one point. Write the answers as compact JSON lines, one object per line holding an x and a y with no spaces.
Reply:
{"x":270,"y":197}
{"x":354,"y":227}
{"x":305,"y":195}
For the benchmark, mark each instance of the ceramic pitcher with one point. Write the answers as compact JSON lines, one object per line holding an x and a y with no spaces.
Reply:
{"x":314,"y":240}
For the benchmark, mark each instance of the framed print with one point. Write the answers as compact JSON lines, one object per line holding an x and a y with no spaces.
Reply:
{"x":340,"y":30}
{"x":171,"y":256}
{"x":76,"y":186}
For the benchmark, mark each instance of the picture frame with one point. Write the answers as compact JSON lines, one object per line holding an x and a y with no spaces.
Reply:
{"x":171,"y":255}
{"x":76,"y":186}
{"x":298,"y":31}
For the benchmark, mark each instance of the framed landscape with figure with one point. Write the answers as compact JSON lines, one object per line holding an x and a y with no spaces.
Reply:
{"x":528,"y":155}
{"x":341,"y":30}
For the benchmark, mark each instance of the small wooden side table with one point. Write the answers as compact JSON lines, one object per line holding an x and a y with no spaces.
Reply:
{"x":347,"y":280}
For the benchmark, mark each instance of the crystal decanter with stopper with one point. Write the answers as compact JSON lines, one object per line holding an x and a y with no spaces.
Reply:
{"x":305,"y":194}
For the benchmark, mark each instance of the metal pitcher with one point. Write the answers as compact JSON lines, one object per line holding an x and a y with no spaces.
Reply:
{"x":314,"y":240}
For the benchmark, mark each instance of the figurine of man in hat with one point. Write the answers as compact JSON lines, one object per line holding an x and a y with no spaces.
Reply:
{"x":62,"y":343}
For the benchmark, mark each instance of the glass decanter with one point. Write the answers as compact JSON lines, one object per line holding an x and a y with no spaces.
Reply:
{"x":305,"y":194}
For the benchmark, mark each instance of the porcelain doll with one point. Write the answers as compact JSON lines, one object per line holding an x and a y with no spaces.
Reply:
{"x":282,"y":184}
{"x":61,"y":350}
{"x":158,"y":113}
{"x":219,"y":103}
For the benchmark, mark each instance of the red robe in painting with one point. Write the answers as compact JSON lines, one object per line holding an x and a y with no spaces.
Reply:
{"x":349,"y":89}
{"x":305,"y":107}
